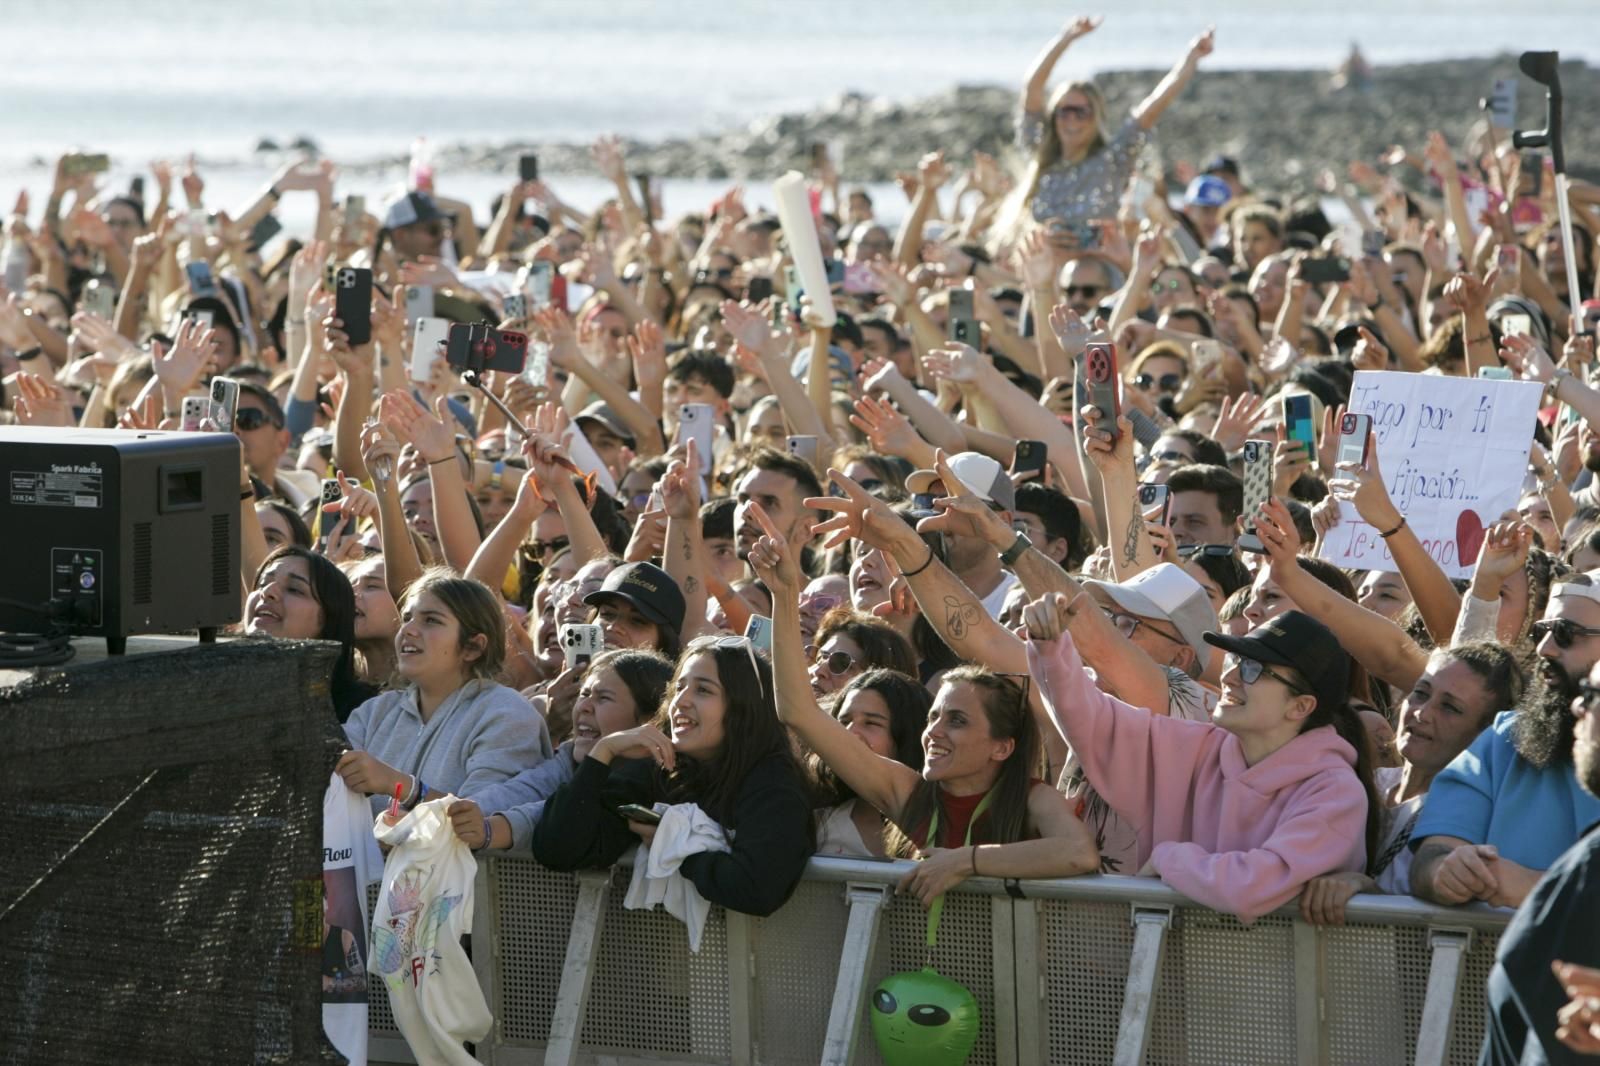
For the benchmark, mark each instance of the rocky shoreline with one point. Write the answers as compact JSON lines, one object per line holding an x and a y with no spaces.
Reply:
{"x":1282,"y":125}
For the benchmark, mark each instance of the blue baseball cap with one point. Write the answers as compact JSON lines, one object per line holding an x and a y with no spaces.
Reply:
{"x":1207,"y":191}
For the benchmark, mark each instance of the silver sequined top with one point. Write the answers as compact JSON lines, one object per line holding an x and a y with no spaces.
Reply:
{"x":1091,"y":189}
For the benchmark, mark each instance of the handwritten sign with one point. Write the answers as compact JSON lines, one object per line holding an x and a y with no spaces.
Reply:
{"x":1452,"y":451}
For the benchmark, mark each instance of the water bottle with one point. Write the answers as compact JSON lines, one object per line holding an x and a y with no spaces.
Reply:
{"x":421,"y":166}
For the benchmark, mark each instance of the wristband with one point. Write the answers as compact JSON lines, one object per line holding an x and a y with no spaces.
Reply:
{"x":1010,"y":556}
{"x":1395,"y":530}
{"x":272,"y":191}
{"x":30,"y":353}
{"x":1484,"y":339}
{"x":974,"y":860}
{"x":488,"y":834}
{"x":436,"y":462}
{"x":920,"y":569}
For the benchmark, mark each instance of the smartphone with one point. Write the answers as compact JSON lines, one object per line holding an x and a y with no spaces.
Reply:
{"x":201,"y":282}
{"x":833,"y":270}
{"x":558,"y":291}
{"x":1372,"y":244}
{"x":419,"y":302}
{"x":479,"y":347}
{"x":1355,"y":435}
{"x":206,"y":319}
{"x":1257,"y":486}
{"x":355,"y":209}
{"x":1496,"y":373}
{"x":759,"y":632}
{"x":647,"y":201}
{"x":634,"y":813}
{"x":792,"y":290}
{"x":1518,"y":324}
{"x":859,"y":279}
{"x":327,"y":522}
{"x":1154,"y":496}
{"x":224,"y":402}
{"x":803,"y":447}
{"x":352,"y":303}
{"x":100,"y":298}
{"x":536,"y":371}
{"x":528,"y":167}
{"x":1029,"y":457}
{"x":962,"y":327}
{"x":1100,"y":362}
{"x":194,"y":409}
{"x":515,"y":305}
{"x":330,"y":276}
{"x":85,"y":163}
{"x":428,"y":340}
{"x":1502,"y":103}
{"x":1298,"y":423}
{"x":580,"y":642}
{"x":759,"y":289}
{"x":1533,"y":166}
{"x":536,"y":283}
{"x":263,"y":231}
{"x":1325,"y":269}
{"x":1509,"y":260}
{"x":697,"y":421}
{"x":1207,"y":355}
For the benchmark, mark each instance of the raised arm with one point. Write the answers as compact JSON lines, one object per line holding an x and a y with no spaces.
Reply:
{"x":1033,"y":90}
{"x":414,"y":424}
{"x":401,"y":563}
{"x":882,"y":782}
{"x":684,"y":556}
{"x":355,"y":401}
{"x":565,"y":353}
{"x":1377,"y":643}
{"x":1149,"y":110}
{"x":770,"y":355}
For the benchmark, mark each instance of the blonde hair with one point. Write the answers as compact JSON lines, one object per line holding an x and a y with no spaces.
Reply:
{"x":1016,"y":211}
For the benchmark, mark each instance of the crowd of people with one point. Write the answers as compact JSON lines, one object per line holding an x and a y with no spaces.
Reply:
{"x":973,"y":645}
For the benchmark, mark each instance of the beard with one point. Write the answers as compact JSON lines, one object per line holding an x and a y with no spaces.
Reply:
{"x":1543,"y":731}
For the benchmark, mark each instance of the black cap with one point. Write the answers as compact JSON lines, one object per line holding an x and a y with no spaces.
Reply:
{"x":411,"y":209}
{"x":1298,"y":640}
{"x":601,"y":413}
{"x":1221,"y":164}
{"x":648,"y":588}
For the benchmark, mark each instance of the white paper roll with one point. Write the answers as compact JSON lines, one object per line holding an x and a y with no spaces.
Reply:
{"x":800,"y":230}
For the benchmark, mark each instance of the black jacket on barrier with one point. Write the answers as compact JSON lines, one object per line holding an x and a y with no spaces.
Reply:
{"x":771,"y":830}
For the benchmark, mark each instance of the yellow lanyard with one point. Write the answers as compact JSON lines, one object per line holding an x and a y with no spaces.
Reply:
{"x":931,"y":841}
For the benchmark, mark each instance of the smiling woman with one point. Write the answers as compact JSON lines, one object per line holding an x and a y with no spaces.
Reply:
{"x":300,"y":595}
{"x":716,"y":744}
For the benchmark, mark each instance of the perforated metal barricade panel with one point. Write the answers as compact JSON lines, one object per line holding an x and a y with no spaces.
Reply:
{"x":1086,"y":950}
{"x":1228,"y":990}
{"x":380,"y":1019}
{"x":532,"y":908}
{"x":797,"y":963}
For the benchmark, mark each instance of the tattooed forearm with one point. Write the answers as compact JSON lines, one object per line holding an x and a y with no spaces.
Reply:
{"x":1130,"y":543}
{"x":959,"y":615}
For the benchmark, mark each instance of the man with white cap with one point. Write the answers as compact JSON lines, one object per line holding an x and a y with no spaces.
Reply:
{"x":972,"y":558}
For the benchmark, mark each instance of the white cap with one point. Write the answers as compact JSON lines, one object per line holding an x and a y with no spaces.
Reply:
{"x":984,"y":477}
{"x":1166,"y":591}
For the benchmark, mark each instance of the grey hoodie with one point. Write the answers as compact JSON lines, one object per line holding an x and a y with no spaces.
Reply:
{"x":521,"y":800}
{"x":483,"y":734}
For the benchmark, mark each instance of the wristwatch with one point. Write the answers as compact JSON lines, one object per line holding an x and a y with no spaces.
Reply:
{"x":1010,"y":556}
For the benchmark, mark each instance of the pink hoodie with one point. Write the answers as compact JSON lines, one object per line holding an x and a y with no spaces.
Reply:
{"x":1237,"y":838}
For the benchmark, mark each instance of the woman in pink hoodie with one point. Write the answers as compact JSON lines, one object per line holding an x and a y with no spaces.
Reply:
{"x":1241,"y":812}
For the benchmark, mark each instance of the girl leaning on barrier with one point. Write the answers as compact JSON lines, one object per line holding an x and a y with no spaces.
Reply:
{"x":886,"y":710}
{"x":1237,"y":815}
{"x":619,"y":690}
{"x":300,"y":595}
{"x":716,"y":743}
{"x":976,"y":807}
{"x":451,"y":729}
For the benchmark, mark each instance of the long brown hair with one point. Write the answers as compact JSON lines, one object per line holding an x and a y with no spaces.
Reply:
{"x":1014,"y":213}
{"x":1005,"y":705}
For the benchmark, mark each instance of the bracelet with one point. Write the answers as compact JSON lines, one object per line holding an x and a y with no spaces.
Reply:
{"x":920,"y":569}
{"x":446,"y":459}
{"x":272,"y":191}
{"x":1484,"y":339}
{"x":488,"y":834}
{"x":1395,"y":530}
{"x":974,"y":860}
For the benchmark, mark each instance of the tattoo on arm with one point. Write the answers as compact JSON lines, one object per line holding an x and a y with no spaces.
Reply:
{"x":959,"y":616}
{"x":1130,"y":543}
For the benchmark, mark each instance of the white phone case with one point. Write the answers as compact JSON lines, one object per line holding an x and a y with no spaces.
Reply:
{"x":427,"y":346}
{"x":580,"y":642}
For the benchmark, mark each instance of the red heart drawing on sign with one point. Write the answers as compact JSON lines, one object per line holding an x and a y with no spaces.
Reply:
{"x":1469,"y":537}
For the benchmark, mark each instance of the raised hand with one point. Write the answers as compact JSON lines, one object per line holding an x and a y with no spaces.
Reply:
{"x":556,"y":325}
{"x":41,"y":402}
{"x":857,"y":515}
{"x":98,"y":336}
{"x":1503,"y":553}
{"x":748,"y":326}
{"x":1466,"y":294}
{"x":1035,"y":260}
{"x":773,"y":559}
{"x":379,"y":452}
{"x":887,"y":430}
{"x":1081,"y":26}
{"x":1202,"y":45}
{"x":414,"y":424}
{"x":608,"y":156}
{"x":933,"y":170}
{"x":1363,"y":486}
{"x":960,"y":510}
{"x":958,"y":364}
{"x":1289,"y":461}
{"x":1104,"y":451}
{"x":1275,"y":526}
{"x":1071,"y":331}
{"x":180,"y":367}
{"x":680,"y":485}
{"x":1236,"y":418}
{"x":1527,"y":358}
{"x":1369,"y":352}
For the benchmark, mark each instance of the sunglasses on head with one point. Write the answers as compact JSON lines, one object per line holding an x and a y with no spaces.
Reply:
{"x":1564,"y":631}
{"x":1165,"y":383}
{"x":1209,"y":551}
{"x":745,"y":644}
{"x":1250,"y":671}
{"x":248,"y":418}
{"x":1077,"y":111}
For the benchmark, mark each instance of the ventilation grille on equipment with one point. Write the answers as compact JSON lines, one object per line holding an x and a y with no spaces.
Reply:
{"x":141,"y":562}
{"x":221,"y":565}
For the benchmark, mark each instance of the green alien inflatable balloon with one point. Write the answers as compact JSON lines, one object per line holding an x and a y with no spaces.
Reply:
{"x":921,"y":1018}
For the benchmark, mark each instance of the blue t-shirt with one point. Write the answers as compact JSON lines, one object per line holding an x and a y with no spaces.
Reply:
{"x":1491,"y":795}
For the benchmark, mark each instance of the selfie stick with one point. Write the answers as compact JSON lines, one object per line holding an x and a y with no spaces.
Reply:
{"x":1542,"y":67}
{"x":471,"y":378}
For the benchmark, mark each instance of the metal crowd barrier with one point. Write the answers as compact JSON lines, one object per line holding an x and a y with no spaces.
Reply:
{"x":1087,"y":970}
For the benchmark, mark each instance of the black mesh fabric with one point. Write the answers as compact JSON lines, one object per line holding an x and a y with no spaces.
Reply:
{"x":161,"y":892}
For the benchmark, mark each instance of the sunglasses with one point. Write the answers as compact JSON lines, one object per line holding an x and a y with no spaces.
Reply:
{"x":1564,"y":630}
{"x":1083,"y":290}
{"x":1128,"y":625}
{"x":1077,"y":111}
{"x":248,"y":418}
{"x":836,"y":663}
{"x":1171,"y":285}
{"x":1250,"y":672}
{"x":1208,"y":551}
{"x":1165,"y":383}
{"x":733,"y":641}
{"x":542,"y":548}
